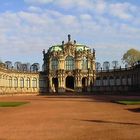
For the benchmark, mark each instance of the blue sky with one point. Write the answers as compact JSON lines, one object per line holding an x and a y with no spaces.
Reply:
{"x":29,"y":26}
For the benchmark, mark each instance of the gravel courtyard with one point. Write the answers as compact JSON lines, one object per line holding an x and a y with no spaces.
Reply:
{"x":69,"y":118}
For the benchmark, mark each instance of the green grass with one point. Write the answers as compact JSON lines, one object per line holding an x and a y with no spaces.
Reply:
{"x":12,"y":104}
{"x":129,"y":102}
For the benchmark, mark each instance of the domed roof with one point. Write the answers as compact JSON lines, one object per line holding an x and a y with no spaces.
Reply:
{"x":80,"y":47}
{"x":55,"y":48}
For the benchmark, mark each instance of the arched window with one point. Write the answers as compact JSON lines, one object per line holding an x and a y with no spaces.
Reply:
{"x":98,"y":81}
{"x":129,"y":80}
{"x":10,"y":81}
{"x":105,"y":81}
{"x":84,"y":63}
{"x":21,"y":82}
{"x":69,"y":63}
{"x":111,"y":81}
{"x":28,"y":82}
{"x":15,"y":82}
{"x":54,"y":63}
{"x":34,"y":83}
{"x":123,"y":80}
{"x":118,"y":81}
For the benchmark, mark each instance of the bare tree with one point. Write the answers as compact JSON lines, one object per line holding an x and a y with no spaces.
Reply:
{"x":115,"y":64}
{"x":28,"y":66}
{"x":8,"y":64}
{"x":98,"y":66}
{"x":35,"y":67}
{"x":24,"y":67}
{"x":18,"y":66}
{"x":106,"y":65}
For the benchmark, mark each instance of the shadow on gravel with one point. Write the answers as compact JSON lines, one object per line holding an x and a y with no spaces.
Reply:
{"x":136,"y":110}
{"x":93,"y":98}
{"x":110,"y":122}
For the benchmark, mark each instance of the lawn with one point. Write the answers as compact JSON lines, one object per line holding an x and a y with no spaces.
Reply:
{"x":129,"y":102}
{"x":12,"y":104}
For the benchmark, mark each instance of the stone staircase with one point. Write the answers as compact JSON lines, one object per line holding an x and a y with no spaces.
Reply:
{"x":69,"y":90}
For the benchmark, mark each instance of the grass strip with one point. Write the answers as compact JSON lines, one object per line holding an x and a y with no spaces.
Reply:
{"x":129,"y":102}
{"x":12,"y":104}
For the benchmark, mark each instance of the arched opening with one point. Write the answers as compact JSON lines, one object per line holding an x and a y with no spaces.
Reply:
{"x":55,"y":84}
{"x":69,"y":83}
{"x":84,"y":84}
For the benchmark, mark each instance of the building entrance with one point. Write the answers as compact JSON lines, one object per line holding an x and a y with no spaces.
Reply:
{"x":69,"y":83}
{"x":55,"y":84}
{"x":84,"y":84}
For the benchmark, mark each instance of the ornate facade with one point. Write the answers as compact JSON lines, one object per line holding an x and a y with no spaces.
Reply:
{"x":69,"y":67}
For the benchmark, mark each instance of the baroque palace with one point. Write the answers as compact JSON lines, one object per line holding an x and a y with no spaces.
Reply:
{"x":69,"y":67}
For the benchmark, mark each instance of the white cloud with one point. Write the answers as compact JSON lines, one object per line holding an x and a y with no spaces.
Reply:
{"x":101,"y":6}
{"x":34,"y":9}
{"x":29,"y":32}
{"x":86,"y":17}
{"x":122,"y":10}
{"x":38,"y":2}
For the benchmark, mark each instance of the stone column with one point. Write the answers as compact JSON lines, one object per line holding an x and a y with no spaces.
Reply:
{"x":50,"y":84}
{"x":61,"y":87}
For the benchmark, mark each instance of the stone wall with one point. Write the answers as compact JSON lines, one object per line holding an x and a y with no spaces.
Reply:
{"x":12,"y":81}
{"x":118,"y":80}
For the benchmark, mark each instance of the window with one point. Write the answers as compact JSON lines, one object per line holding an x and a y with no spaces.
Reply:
{"x":129,"y":80}
{"x":105,"y":81}
{"x":123,"y":81}
{"x":54,"y":63}
{"x":98,"y":81}
{"x":69,"y":63}
{"x":84,"y":64}
{"x":34,"y":83}
{"x":15,"y":82}
{"x":10,"y":81}
{"x":118,"y":81}
{"x":28,"y":82}
{"x":111,"y":81}
{"x":21,"y":82}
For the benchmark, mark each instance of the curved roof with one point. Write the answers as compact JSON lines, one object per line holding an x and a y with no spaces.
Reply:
{"x":55,"y":48}
{"x":79,"y":47}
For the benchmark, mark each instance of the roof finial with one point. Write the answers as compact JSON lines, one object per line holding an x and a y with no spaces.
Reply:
{"x":62,"y":42}
{"x":69,"y":37}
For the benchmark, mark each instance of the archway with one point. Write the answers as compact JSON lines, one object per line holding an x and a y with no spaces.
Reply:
{"x":55,"y":84}
{"x":84,"y":84}
{"x":69,"y":83}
